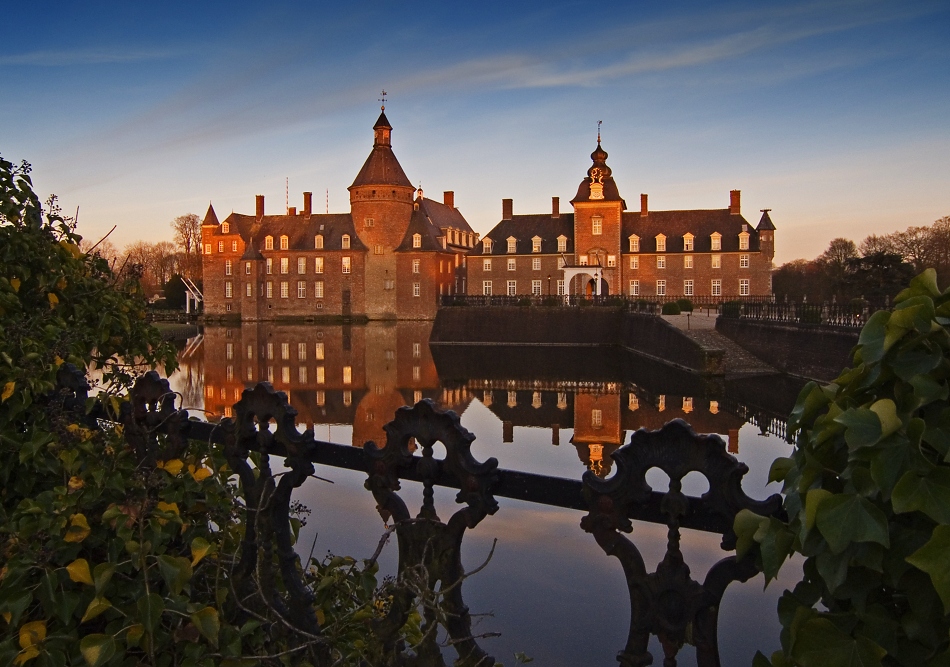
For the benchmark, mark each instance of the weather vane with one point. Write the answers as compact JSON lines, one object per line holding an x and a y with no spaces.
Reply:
{"x":383,"y":100}
{"x":598,"y":130}
{"x":764,"y":210}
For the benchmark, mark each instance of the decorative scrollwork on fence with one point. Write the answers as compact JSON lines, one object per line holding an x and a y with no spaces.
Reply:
{"x":149,"y":413}
{"x":669,"y":603}
{"x":430,"y":550}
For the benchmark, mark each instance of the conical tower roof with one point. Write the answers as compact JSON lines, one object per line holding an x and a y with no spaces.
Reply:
{"x":765,"y":222}
{"x":210,"y":217}
{"x":382,"y":167}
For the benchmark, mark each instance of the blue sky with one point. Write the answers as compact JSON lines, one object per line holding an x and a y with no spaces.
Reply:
{"x":832,"y":113}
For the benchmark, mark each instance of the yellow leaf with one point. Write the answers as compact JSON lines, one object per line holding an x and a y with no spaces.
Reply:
{"x":61,"y":284}
{"x":58,"y":361}
{"x":7,"y":391}
{"x":26,"y":655}
{"x":172,"y":467}
{"x":321,"y":617}
{"x":199,"y":474}
{"x":78,"y":529}
{"x":199,"y":549}
{"x":168,"y":507}
{"x":53,"y":300}
{"x":7,"y":616}
{"x":135,"y":634}
{"x":96,"y":607}
{"x":32,"y":633}
{"x":15,"y":284}
{"x":79,"y":571}
{"x":75,"y":483}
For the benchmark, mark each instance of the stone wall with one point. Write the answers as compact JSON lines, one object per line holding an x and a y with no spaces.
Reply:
{"x":812,"y":351}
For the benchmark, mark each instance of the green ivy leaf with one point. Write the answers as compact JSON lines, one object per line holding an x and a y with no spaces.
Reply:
{"x":779,"y":468}
{"x":97,"y":649}
{"x":886,"y":412}
{"x":847,"y":518}
{"x":819,"y":643}
{"x":208,"y":624}
{"x":176,"y":571}
{"x":811,"y":400}
{"x":96,"y":607}
{"x":871,"y":340}
{"x":863,"y":427}
{"x":150,"y":609}
{"x":101,"y":575}
{"x":745,"y":526}
{"x":929,"y":494}
{"x":813,"y":499}
{"x":932,"y":559}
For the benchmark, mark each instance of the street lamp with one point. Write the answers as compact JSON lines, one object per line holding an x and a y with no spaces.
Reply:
{"x":549,"y":284}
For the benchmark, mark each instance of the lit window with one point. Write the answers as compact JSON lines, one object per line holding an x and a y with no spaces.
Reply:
{"x":562,"y":244}
{"x":220,"y":246}
{"x":717,"y":261}
{"x":284,"y":243}
{"x":416,"y":396}
{"x":536,"y":287}
{"x":687,"y":404}
{"x":284,"y":265}
{"x":345,"y":242}
{"x":321,"y":375}
{"x":285,"y":374}
{"x":247,"y":268}
{"x":416,"y":289}
{"x":302,"y":375}
{"x":377,"y":249}
{"x":225,"y":228}
{"x":536,"y":399}
{"x":301,"y":289}
{"x":743,"y":261}
{"x":415,"y":266}
{"x":744,"y":287}
{"x":611,"y":261}
{"x":270,"y":374}
{"x":511,"y":265}
{"x":635,"y":262}
{"x":744,"y":241}
{"x":688,"y":242}
{"x":717,"y":287}
{"x":660,"y":243}
{"x":227,"y":267}
{"x":416,"y":372}
{"x":660,"y":262}
{"x":596,"y":418}
{"x":318,"y":351}
{"x":661,"y":288}
{"x":207,"y":248}
{"x":583,"y":260}
{"x":486,"y":287}
{"x":512,"y":287}
{"x":285,"y":351}
{"x":512,"y":399}
{"x":318,"y":242}
{"x":688,"y":288}
{"x":318,"y":264}
{"x":318,"y":292}
{"x":389,"y":284}
{"x":512,"y":244}
{"x":347,"y":375}
{"x":269,"y":262}
{"x":536,"y":244}
{"x":284,"y":290}
{"x":597,"y":225}
{"x":270,"y":290}
{"x":301,"y":265}
{"x":301,"y":351}
{"x":634,"y":288}
{"x":247,"y":289}
{"x":486,"y":265}
{"x":346,"y":264}
{"x":687,"y":261}
{"x":250,"y":374}
{"x":250,"y":351}
{"x":536,"y":264}
{"x":416,"y":240}
{"x":416,"y":350}
{"x":228,"y":289}
{"x":562,"y":400}
{"x":715,"y":240}
{"x":270,"y":351}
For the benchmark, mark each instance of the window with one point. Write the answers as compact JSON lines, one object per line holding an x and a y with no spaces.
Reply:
{"x":660,"y":262}
{"x":744,"y":241}
{"x":377,"y":249}
{"x":634,"y":243}
{"x":389,"y":284}
{"x":560,"y":263}
{"x":512,"y":287}
{"x":301,"y":289}
{"x":562,"y":244}
{"x":321,"y":375}
{"x":318,"y":289}
{"x":270,"y":351}
{"x":269,"y":262}
{"x":536,"y":244}
{"x":318,"y":264}
{"x":318,"y":351}
{"x":250,"y":352}
{"x":635,"y":262}
{"x":302,"y":375}
{"x":284,"y":290}
{"x":270,"y":290}
{"x":417,"y":240}
{"x":536,"y":287}
{"x":611,"y":261}
{"x":511,"y":265}
{"x":536,"y":399}
{"x":486,"y":246}
{"x":597,"y":225}
{"x":633,"y":402}
{"x":536,"y":264}
{"x":717,"y":287}
{"x":284,"y":265}
{"x":560,"y":288}
{"x":284,"y":242}
{"x":225,"y":228}
{"x":301,"y":265}
{"x":416,"y":372}
{"x":661,"y":288}
{"x":688,"y":288}
{"x":416,"y":289}
{"x":346,"y":264}
{"x":486,"y":287}
{"x":345,"y":242}
{"x":715,"y":240}
{"x":660,"y":243}
{"x":301,"y":351}
{"x":512,"y":244}
{"x":207,"y":248}
{"x":744,"y":287}
{"x":220,"y":246}
{"x":318,"y":242}
{"x":512,"y":399}
{"x":687,"y":261}
{"x":285,"y":351}
{"x":247,"y":268}
{"x":486,"y":265}
{"x":227,"y":267}
{"x":717,"y":261}
{"x":416,"y":350}
{"x":247,"y":289}
{"x":270,"y":373}
{"x":562,"y":400}
{"x":233,"y":246}
{"x":285,"y":374}
{"x":347,"y":375}
{"x":743,"y":261}
{"x":596,"y":418}
{"x":688,"y":242}
{"x":368,"y":222}
{"x":415,"y":266}
{"x":228,"y":289}
{"x":634,"y":288}
{"x":582,"y":260}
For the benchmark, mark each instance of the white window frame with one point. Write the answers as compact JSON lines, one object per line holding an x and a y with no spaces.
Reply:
{"x":301,"y":265}
{"x":415,"y":265}
{"x":597,"y":225}
{"x":318,"y":292}
{"x":535,"y":263}
{"x":227,"y":267}
{"x":715,"y":241}
{"x":660,"y":262}
{"x":716,"y":261}
{"x":716,"y":287}
{"x":634,"y":288}
{"x":318,"y":264}
{"x":284,"y":266}
{"x":268,"y":243}
{"x":635,"y":262}
{"x":688,"y":242}
{"x":661,"y":288}
{"x":228,"y":289}
{"x":562,"y":243}
{"x":301,"y":289}
{"x":486,"y":288}
{"x":687,"y":288}
{"x":536,"y":244}
{"x":661,"y":243}
{"x":744,"y":241}
{"x":345,"y":242}
{"x":417,"y":240}
{"x":284,"y":289}
{"x":743,"y":261}
{"x":416,"y":289}
{"x":536,"y":287}
{"x":512,"y":265}
{"x":687,"y":261}
{"x":345,"y":264}
{"x":318,"y":242}
{"x":611,"y":261}
{"x":284,"y":243}
{"x":512,"y":288}
{"x":486,"y":265}
{"x":512,"y":244}
{"x":744,"y":287}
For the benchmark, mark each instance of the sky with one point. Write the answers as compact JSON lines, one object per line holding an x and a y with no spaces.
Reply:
{"x":835,"y":114}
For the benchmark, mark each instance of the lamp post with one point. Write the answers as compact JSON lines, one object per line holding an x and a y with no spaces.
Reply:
{"x":549,"y":284}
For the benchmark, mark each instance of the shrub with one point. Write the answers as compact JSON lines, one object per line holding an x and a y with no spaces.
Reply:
{"x":867,"y":492}
{"x":671,"y":308}
{"x":685,"y":305}
{"x":731,"y":309}
{"x":524,"y":301}
{"x":551,"y":301}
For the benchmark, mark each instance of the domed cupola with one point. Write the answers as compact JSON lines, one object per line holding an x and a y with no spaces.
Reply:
{"x":599,"y":184}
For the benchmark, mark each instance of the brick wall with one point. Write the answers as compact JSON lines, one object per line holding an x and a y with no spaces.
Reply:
{"x":524,"y":274}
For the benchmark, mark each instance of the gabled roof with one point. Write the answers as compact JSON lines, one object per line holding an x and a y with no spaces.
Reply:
{"x":299,"y":230}
{"x":251,"y":252}
{"x":765,"y":223}
{"x":429,"y":221}
{"x":210,"y":217}
{"x":526,"y":227}
{"x":429,"y":234}
{"x":701,"y":223}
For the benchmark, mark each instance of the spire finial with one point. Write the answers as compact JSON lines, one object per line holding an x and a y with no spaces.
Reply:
{"x":382,"y":99}
{"x":764,"y":210}
{"x":598,"y":131}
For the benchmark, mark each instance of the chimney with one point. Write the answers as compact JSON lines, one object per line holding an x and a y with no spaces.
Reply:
{"x":506,"y":208}
{"x":291,"y":210}
{"x":555,"y":207}
{"x":448,"y":198}
{"x":259,"y":206}
{"x":644,"y":209}
{"x":308,"y":204}
{"x":734,"y":208}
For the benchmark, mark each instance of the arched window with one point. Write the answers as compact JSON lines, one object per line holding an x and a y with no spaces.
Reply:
{"x":715,"y":240}
{"x":345,"y":242}
{"x":688,"y":242}
{"x":660,"y":243}
{"x":512,"y":244}
{"x":486,"y":246}
{"x":634,"y":243}
{"x":284,"y":243}
{"x":318,"y":242}
{"x":268,"y":243}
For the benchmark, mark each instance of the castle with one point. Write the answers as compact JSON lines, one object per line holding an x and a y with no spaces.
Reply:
{"x":397,"y":252}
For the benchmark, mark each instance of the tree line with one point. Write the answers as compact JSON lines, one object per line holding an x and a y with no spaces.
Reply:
{"x":876,"y":269}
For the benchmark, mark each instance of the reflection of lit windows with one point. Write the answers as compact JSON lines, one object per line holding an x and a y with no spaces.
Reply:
{"x":416,"y":350}
{"x":486,"y":398}
{"x":229,"y":351}
{"x":390,"y":355}
{"x":347,"y":398}
{"x":227,"y":411}
{"x":661,"y":404}
{"x":229,"y":372}
{"x":285,"y":350}
{"x":318,"y":351}
{"x":302,"y":375}
{"x":416,"y":372}
{"x":596,"y":418}
{"x":714,"y":407}
{"x":224,"y":394}
{"x":417,"y":396}
{"x":562,"y":400}
{"x":536,"y":399}
{"x":270,"y":350}
{"x":321,"y":375}
{"x":347,"y":374}
{"x":321,"y":398}
{"x":270,"y":374}
{"x":285,"y":374}
{"x":687,"y":404}
{"x":512,"y":399}
{"x":633,"y":402}
{"x":209,"y":391}
{"x":301,"y":351}
{"x":250,"y":374}
{"x":237,"y":395}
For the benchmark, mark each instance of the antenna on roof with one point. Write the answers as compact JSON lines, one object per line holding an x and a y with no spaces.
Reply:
{"x":328,"y":201}
{"x":383,"y":100}
{"x":598,"y":130}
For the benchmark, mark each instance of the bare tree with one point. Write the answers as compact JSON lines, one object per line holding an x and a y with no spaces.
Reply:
{"x":911,"y":245}
{"x":875,"y":244}
{"x":188,"y":238}
{"x":165,"y":261}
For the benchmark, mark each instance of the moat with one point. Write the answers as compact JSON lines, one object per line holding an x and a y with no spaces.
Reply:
{"x":557,"y":411}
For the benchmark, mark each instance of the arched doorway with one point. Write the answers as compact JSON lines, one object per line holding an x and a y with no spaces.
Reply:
{"x":591,"y":287}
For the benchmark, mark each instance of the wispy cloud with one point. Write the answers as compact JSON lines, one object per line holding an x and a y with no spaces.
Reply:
{"x":93,"y":56}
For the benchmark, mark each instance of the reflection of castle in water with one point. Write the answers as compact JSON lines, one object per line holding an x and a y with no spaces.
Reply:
{"x":360,"y":375}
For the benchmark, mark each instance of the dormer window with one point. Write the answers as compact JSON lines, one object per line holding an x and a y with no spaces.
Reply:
{"x":634,"y":243}
{"x":417,"y":240}
{"x":512,"y":244}
{"x":268,"y":243}
{"x":486,"y":246}
{"x":688,"y":242}
{"x":536,"y":244}
{"x":562,"y":243}
{"x":660,"y":243}
{"x":744,"y":241}
{"x":318,"y":242}
{"x":284,"y":243}
{"x":716,"y":240}
{"x":345,"y":242}
{"x":597,"y":225}
{"x":225,"y":228}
